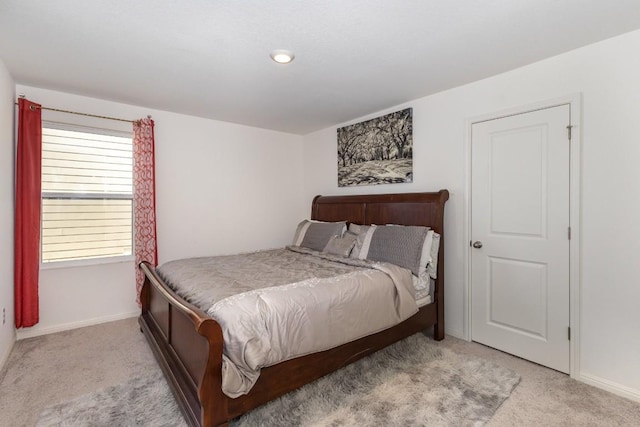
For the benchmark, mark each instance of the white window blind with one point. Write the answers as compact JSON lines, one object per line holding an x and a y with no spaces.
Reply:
{"x":87,"y":193}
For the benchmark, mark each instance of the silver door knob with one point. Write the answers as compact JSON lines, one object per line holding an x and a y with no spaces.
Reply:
{"x":477,"y":244}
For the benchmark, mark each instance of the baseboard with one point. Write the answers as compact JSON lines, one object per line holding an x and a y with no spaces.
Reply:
{"x":455,"y":333}
{"x":37,"y":331}
{"x":610,"y":386}
{"x":4,"y":357}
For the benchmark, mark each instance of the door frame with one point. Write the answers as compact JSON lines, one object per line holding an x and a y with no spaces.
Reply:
{"x":575,"y":207}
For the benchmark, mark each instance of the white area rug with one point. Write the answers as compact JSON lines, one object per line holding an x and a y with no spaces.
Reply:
{"x":412,"y":383}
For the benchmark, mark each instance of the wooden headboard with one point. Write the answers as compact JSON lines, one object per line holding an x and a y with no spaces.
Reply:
{"x":426,"y":209}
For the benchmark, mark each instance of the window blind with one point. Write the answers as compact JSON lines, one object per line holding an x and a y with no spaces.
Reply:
{"x":87,"y":192}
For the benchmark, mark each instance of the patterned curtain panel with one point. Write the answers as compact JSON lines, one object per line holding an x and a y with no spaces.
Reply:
{"x":144,"y":199}
{"x":27,"y":221}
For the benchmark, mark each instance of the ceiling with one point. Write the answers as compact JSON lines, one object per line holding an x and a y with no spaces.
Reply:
{"x":211,"y":59}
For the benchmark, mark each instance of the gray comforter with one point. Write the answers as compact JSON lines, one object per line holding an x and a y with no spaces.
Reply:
{"x":280,"y":304}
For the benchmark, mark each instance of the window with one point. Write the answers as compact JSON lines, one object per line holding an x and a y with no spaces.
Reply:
{"x":87,"y":193}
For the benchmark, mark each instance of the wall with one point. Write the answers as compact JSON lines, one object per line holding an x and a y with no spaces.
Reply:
{"x":7,"y":98}
{"x":220,"y":188}
{"x":606,"y":74}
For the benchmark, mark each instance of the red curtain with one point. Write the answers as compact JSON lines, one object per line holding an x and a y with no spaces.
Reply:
{"x":144,"y":199}
{"x":27,"y":220}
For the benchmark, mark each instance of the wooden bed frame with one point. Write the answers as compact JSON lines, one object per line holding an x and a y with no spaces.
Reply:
{"x":188,"y":344}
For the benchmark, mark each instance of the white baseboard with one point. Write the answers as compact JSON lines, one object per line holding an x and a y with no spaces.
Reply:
{"x":610,"y":386}
{"x":37,"y":331}
{"x":455,"y":333}
{"x":4,"y":357}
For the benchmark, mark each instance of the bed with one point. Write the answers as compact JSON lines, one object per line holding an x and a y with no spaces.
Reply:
{"x":188,"y":343}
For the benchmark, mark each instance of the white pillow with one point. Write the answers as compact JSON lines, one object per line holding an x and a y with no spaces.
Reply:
{"x":432,"y":267}
{"x":425,"y":256}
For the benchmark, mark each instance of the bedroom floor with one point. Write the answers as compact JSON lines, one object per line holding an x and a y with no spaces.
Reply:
{"x":54,"y":368}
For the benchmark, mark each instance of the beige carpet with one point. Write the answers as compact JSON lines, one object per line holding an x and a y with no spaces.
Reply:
{"x":47,"y":370}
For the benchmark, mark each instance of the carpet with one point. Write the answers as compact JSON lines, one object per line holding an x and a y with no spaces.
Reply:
{"x":413,"y":382}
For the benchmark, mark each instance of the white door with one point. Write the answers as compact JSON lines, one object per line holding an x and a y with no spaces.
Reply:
{"x":520,"y":235}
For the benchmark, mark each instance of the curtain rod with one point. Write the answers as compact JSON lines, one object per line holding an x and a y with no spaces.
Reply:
{"x":84,"y":114}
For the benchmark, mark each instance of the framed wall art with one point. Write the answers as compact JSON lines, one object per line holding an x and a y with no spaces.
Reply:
{"x":377,"y":151}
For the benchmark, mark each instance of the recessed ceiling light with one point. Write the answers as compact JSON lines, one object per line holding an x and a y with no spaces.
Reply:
{"x":282,"y":56}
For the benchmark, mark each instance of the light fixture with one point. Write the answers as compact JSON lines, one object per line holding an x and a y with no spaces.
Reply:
{"x":282,"y":56}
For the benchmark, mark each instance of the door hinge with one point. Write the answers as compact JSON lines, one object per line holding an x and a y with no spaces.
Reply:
{"x":569,"y":127}
{"x":569,"y":233}
{"x":569,"y":333}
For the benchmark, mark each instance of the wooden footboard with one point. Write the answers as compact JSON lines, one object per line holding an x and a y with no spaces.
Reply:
{"x":188,"y":346}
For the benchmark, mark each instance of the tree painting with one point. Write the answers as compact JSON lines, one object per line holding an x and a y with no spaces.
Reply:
{"x":377,"y":151}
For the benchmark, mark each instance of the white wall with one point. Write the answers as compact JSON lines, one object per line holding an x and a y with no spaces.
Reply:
{"x":607,"y":75}
{"x":220,"y":188}
{"x":7,"y":98}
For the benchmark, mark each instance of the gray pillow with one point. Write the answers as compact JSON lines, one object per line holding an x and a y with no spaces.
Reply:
{"x":315,"y":234}
{"x":361,"y":231}
{"x":432,"y":267}
{"x":399,"y":245}
{"x":341,"y":245}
